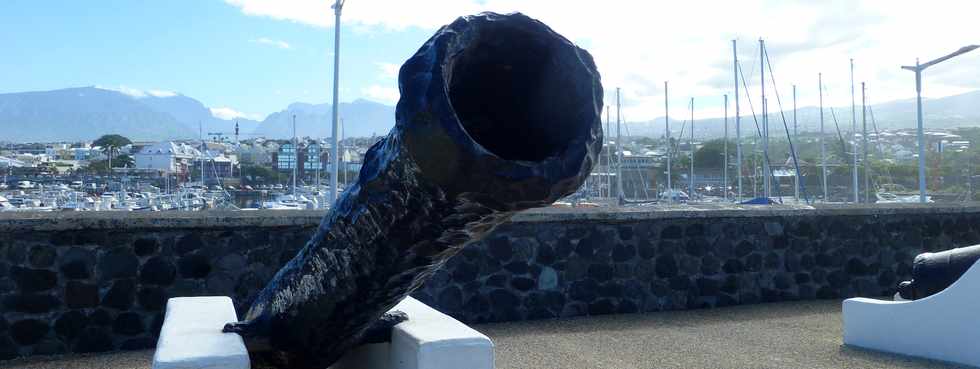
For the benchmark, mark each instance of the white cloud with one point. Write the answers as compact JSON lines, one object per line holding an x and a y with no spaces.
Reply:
{"x":271,"y":42}
{"x":138,"y":93}
{"x":380,"y":93}
{"x":227,"y":113}
{"x":388,"y":70}
{"x":160,"y":93}
{"x":638,"y":45}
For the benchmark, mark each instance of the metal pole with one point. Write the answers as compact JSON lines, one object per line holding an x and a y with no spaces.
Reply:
{"x":725,"y":175}
{"x":619,"y":150}
{"x":765,"y":120}
{"x":823,"y":148}
{"x":918,"y":97}
{"x":335,"y":150}
{"x":867,"y":166}
{"x":670,"y":191}
{"x":691,"y":144}
{"x":854,"y":170}
{"x":921,"y":133}
{"x":738,"y":128}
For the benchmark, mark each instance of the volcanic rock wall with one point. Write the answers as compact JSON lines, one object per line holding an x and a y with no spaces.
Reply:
{"x":99,"y":281}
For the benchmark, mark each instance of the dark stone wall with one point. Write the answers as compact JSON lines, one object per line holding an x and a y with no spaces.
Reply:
{"x":540,"y":270}
{"x":101,"y":290}
{"x":100,"y":282}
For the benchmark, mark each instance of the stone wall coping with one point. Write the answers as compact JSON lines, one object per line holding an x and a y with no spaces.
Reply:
{"x":111,"y":220}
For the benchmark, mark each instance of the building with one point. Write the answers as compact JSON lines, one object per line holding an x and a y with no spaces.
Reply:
{"x":216,"y":165}
{"x":85,"y":153}
{"x":313,"y":155}
{"x":59,"y":151}
{"x":6,"y":162}
{"x":288,"y":158}
{"x":308,"y":159}
{"x":257,"y":153}
{"x":167,"y":156}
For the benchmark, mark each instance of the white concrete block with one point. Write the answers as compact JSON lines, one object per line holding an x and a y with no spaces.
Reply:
{"x":191,"y":336}
{"x":428,"y":340}
{"x":944,"y":326}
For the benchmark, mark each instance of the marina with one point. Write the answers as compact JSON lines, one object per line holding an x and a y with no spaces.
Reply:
{"x":29,"y":196}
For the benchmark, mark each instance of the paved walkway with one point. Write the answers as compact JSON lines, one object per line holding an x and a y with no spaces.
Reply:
{"x":784,"y":335}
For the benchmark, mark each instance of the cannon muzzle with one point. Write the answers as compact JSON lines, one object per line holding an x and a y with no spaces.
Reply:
{"x":933,"y":272}
{"x":498,"y":113}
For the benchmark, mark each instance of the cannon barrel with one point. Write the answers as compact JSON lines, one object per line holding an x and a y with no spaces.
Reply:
{"x":933,"y":272}
{"x":498,"y":113}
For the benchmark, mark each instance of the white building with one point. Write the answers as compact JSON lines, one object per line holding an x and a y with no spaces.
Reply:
{"x":166,"y":156}
{"x":6,"y":162}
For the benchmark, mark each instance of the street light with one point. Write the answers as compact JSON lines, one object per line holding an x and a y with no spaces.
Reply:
{"x":918,"y":68}
{"x":335,"y":152}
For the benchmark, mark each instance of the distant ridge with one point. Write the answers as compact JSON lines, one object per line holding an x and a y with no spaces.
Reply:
{"x":361,"y":118}
{"x":82,"y":114}
{"x":946,"y":112}
{"x":85,"y":113}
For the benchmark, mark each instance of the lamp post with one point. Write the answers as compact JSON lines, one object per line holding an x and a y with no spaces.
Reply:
{"x":335,"y":152}
{"x":918,"y":68}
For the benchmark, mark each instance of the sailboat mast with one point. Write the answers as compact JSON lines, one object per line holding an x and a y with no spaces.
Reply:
{"x":864,"y":137}
{"x":854,"y":166}
{"x":204,"y":149}
{"x":796,"y":176}
{"x":295,"y":155}
{"x":343,"y":130}
{"x":725,"y":165}
{"x":608,"y":176}
{"x":619,"y":151}
{"x":690,"y":195}
{"x":670,"y":194}
{"x":765,"y":121}
{"x":318,"y":157}
{"x":738,"y":128}
{"x":823,"y":147}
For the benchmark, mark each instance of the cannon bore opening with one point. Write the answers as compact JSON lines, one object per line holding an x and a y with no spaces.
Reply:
{"x":518,"y":92}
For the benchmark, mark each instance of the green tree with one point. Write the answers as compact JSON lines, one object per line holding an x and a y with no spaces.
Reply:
{"x":712,"y":154}
{"x":96,"y":167}
{"x":647,"y":141}
{"x":124,"y":161}
{"x":110,"y":145}
{"x":260,"y":174}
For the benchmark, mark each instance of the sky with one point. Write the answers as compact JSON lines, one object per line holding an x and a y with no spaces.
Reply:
{"x":253,"y":57}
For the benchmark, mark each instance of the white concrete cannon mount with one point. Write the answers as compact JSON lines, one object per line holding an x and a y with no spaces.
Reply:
{"x":944,"y":326}
{"x":428,"y":340}
{"x":191,"y":338}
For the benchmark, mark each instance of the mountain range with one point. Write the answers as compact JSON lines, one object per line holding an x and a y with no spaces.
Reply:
{"x":946,"y":112}
{"x":85,"y":113}
{"x":360,"y":118}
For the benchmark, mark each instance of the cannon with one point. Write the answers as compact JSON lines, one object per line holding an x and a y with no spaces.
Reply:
{"x":498,"y":114}
{"x":933,"y":272}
